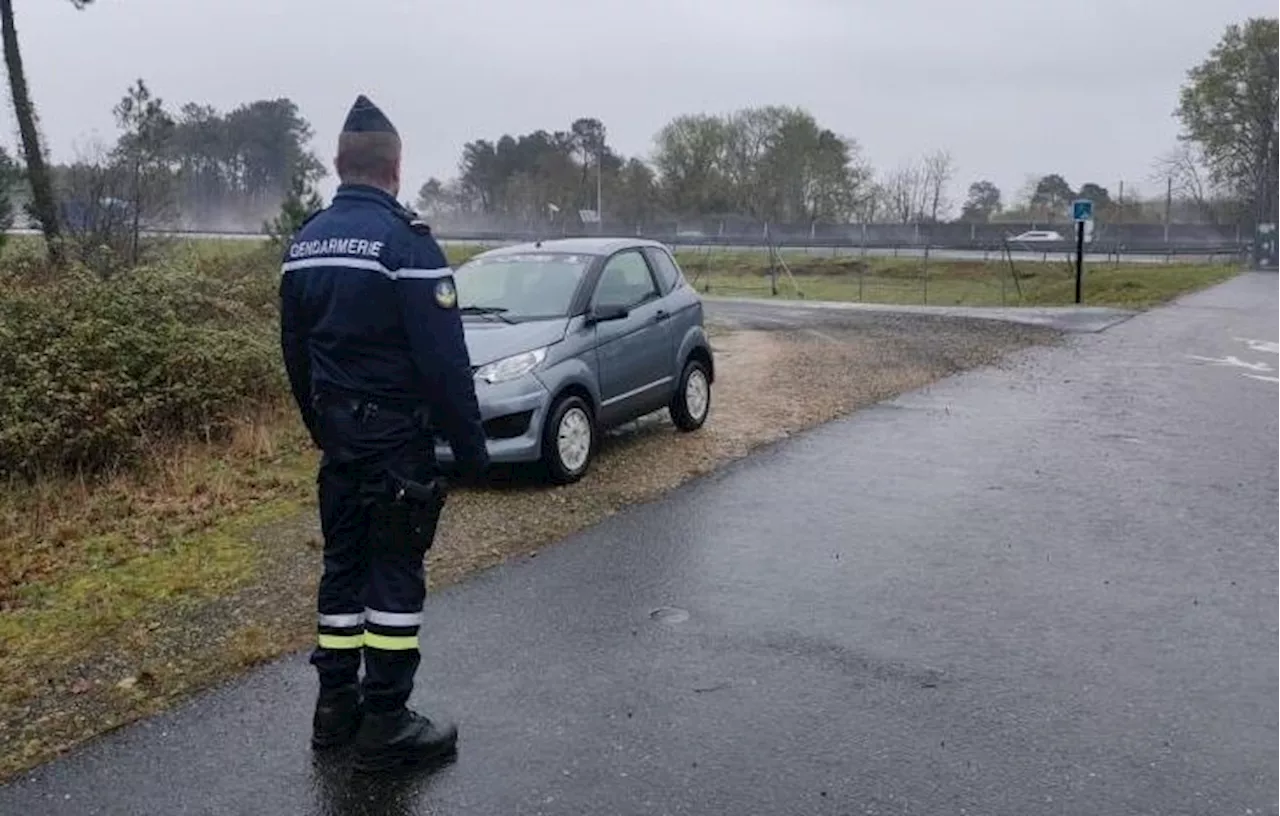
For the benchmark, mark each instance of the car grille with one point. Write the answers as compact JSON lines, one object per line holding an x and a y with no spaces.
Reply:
{"x":508,"y":426}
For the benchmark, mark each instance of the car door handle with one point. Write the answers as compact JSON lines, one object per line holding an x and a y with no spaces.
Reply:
{"x":661,"y":315}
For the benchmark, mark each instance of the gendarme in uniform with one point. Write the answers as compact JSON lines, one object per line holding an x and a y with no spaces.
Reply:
{"x":374,"y":349}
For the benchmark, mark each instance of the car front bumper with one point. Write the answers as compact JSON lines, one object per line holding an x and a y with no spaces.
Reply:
{"x":513,"y":414}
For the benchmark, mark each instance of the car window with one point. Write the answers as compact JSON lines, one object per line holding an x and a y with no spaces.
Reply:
{"x":525,"y":286}
{"x":665,"y":267}
{"x":626,"y":281}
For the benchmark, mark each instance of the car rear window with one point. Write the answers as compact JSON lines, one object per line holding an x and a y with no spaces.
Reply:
{"x":666,"y":268}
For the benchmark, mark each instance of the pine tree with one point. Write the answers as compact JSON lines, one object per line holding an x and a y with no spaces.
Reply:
{"x":11,"y":177}
{"x":299,"y":204}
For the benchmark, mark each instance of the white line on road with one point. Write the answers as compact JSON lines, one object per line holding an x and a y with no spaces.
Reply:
{"x":1232,"y":360}
{"x":1260,"y":345}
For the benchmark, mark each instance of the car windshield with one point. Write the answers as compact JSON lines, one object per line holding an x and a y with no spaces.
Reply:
{"x":521,"y":287}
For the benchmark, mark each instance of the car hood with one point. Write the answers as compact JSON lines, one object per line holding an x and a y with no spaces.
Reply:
{"x":489,"y":339}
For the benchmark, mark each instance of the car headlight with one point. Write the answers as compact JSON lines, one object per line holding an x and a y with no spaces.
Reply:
{"x":509,"y":368}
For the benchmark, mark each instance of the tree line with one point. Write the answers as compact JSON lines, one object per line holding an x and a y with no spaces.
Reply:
{"x":190,"y":168}
{"x":779,"y":165}
{"x":771,"y":163}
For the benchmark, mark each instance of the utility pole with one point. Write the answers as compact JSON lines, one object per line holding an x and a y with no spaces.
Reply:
{"x":600,"y":186}
{"x":1168,"y":206}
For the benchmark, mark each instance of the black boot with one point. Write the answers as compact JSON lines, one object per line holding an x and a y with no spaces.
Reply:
{"x":337,"y":717}
{"x":399,"y":739}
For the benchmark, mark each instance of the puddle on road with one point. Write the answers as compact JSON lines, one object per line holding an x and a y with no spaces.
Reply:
{"x":669,"y":614}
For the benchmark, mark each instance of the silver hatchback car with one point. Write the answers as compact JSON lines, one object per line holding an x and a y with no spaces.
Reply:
{"x":571,"y":337}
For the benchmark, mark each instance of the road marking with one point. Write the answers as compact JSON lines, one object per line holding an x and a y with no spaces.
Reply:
{"x":1264,"y":370}
{"x":1260,"y":345}
{"x":1232,"y":360}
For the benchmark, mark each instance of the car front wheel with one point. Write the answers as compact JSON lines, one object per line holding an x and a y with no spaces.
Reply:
{"x":692,"y":400}
{"x":568,"y":439}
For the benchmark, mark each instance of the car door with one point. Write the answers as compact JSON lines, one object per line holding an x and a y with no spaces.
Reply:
{"x":680,"y":302}
{"x":632,"y":353}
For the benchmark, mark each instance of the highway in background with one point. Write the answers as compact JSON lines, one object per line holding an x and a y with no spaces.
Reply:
{"x":1028,"y":252}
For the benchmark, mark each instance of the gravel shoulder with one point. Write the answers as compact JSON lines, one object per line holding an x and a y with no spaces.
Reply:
{"x":771,"y":383}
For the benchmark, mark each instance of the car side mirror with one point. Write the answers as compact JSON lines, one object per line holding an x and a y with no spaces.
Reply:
{"x":603,"y":313}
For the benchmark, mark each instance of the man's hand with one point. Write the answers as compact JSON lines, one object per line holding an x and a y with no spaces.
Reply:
{"x":472,"y":472}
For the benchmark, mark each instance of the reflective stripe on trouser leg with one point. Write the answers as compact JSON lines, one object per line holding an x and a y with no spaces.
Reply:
{"x":341,"y":631}
{"x":391,"y":659}
{"x":392,"y":631}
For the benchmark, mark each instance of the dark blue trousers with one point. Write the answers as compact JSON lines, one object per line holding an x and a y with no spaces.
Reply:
{"x":374,"y":582}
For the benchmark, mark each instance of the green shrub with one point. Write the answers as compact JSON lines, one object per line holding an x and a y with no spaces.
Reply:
{"x":93,"y":371}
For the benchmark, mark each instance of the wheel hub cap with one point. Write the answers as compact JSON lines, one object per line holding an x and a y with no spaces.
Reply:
{"x":695,"y":394}
{"x":573,"y":439}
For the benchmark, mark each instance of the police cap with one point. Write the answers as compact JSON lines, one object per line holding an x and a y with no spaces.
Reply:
{"x":366,"y":117}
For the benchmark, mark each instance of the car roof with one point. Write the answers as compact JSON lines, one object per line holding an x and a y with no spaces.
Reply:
{"x":603,"y":245}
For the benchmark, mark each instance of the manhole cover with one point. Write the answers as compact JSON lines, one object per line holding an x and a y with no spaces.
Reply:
{"x":669,"y":614}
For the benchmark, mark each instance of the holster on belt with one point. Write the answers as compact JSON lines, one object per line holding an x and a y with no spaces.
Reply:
{"x":394,"y":488}
{"x":405,"y":512}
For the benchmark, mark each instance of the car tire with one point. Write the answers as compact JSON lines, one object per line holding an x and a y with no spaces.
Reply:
{"x":692,"y":401}
{"x":566,"y":454}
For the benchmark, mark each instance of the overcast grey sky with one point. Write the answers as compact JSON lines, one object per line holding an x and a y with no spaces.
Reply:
{"x":1011,"y":87}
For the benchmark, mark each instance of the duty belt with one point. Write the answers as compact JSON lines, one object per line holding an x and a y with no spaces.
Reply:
{"x":366,"y":407}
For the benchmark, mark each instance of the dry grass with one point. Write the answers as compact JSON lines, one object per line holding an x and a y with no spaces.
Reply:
{"x":86,"y":562}
{"x":58,"y":528}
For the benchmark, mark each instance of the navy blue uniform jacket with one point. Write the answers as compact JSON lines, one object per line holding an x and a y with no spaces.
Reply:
{"x":368,"y":308}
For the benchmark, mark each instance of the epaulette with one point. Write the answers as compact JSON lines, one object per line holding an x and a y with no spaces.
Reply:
{"x":309,"y":218}
{"x":415,"y":223}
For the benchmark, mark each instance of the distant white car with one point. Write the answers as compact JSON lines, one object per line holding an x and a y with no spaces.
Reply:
{"x":1038,"y":235}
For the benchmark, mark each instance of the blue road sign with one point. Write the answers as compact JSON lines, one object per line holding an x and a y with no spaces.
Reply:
{"x":1082,"y":209}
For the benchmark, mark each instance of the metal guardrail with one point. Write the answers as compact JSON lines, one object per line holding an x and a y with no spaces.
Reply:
{"x":1151,"y":250}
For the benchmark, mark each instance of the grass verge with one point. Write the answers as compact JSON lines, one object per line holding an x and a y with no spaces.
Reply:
{"x":908,"y":281}
{"x":951,"y":282}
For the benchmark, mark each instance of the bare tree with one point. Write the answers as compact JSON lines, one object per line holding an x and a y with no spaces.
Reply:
{"x":906,"y":193}
{"x":1185,"y":168}
{"x":871,"y":201}
{"x":938,"y":170}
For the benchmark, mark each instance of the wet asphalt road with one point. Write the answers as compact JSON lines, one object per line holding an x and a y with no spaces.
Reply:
{"x":1043,"y":588}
